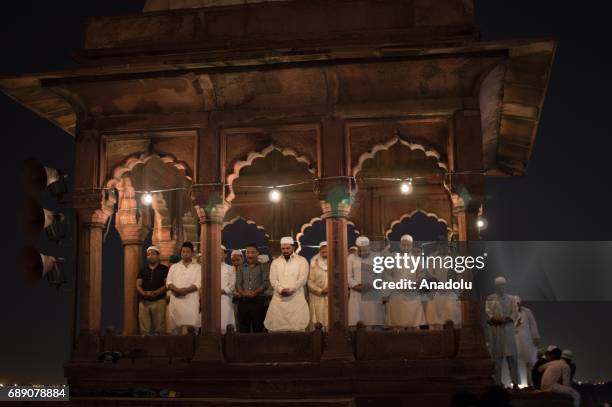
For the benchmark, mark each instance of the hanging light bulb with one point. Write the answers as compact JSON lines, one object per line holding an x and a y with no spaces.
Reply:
{"x":147,"y":199}
{"x":275,"y":195}
{"x":406,"y":187}
{"x":482,"y":223}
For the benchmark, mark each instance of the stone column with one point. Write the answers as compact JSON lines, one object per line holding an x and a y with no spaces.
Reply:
{"x":336,"y":198}
{"x":93,"y":210}
{"x":162,"y":235}
{"x":211,"y":208}
{"x":472,"y":343}
{"x":132,"y":237}
{"x":133,"y":227}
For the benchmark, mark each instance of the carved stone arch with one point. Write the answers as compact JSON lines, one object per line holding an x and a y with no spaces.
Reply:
{"x":254,"y":155}
{"x":248,"y":221}
{"x":449,"y":229}
{"x":429,"y":152}
{"x":132,"y":161}
{"x":310,"y":223}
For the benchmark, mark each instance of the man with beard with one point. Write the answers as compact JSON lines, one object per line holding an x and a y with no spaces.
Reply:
{"x":405,"y":309}
{"x":288,"y":310}
{"x":317,"y":287}
{"x":252,"y":282}
{"x":151,"y":285}
{"x":184,"y":280}
{"x":502,"y":311}
{"x":365,"y":304}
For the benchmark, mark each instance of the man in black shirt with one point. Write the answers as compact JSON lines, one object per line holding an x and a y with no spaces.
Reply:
{"x":151,"y":285}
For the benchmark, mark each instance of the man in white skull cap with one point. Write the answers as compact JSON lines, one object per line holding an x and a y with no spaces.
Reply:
{"x":502,"y":312}
{"x":317,"y":287}
{"x":527,"y":339}
{"x":288,"y":310}
{"x":370,"y":311}
{"x":228,"y":284}
{"x":443,"y":304}
{"x":405,"y":309}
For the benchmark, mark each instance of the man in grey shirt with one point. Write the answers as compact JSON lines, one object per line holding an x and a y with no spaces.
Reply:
{"x":252,"y":283}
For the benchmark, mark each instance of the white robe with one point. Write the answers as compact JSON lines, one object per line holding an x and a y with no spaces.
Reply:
{"x":185,"y":310}
{"x":404,"y":308}
{"x":228,"y":284}
{"x":501,"y":337}
{"x":443,"y":305}
{"x":317,"y":281}
{"x":370,"y":312}
{"x":526,"y":332}
{"x":288,"y":313}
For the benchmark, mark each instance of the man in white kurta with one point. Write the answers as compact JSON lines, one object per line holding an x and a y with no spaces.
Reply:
{"x":527,"y":339}
{"x":443,"y":304}
{"x":502,"y":312}
{"x":364,"y":305}
{"x":183,"y":282}
{"x":404,"y":308}
{"x":288,"y":310}
{"x":228,"y":284}
{"x":317,"y":287}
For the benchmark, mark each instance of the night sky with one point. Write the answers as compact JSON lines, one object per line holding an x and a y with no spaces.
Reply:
{"x":567,"y":194}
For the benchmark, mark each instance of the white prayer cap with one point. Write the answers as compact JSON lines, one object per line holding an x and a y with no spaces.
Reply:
{"x":567,"y":354}
{"x":406,"y":237}
{"x":154,"y":248}
{"x":551,"y":348}
{"x":263,"y":258}
{"x":500,"y":281}
{"x":223,"y":248}
{"x":236,"y":253}
{"x":362,"y":241}
{"x":323,"y":243}
{"x":352,"y":248}
{"x":287,"y":240}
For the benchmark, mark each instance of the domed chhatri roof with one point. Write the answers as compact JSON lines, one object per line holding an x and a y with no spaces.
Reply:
{"x":158,"y":5}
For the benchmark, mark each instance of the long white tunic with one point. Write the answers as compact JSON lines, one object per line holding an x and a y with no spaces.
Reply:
{"x":526,"y":332}
{"x":443,"y":305}
{"x":228,"y":284}
{"x":185,"y":310}
{"x":404,"y":308}
{"x":317,"y":281}
{"x":289,"y":313}
{"x":501,"y":337}
{"x":369,"y":311}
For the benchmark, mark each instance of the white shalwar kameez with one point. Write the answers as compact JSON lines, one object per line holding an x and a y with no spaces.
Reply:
{"x":184,"y":310}
{"x":289,"y":313}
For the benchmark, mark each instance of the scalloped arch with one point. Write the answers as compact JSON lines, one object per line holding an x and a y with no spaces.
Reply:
{"x":429,"y":152}
{"x":449,"y":230}
{"x":248,"y":221}
{"x":310,"y":223}
{"x":132,"y":161}
{"x":254,"y":155}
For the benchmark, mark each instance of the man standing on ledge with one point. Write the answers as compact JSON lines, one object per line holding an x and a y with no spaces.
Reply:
{"x":317,"y":287}
{"x":252,"y":282}
{"x":502,"y":312}
{"x":184,"y":280}
{"x":151,"y":285}
{"x":288,"y":309}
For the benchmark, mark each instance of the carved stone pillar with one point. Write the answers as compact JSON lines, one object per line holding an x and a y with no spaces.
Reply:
{"x":133,"y":227}
{"x":472,"y":343}
{"x":211,"y":208}
{"x":162,"y":235}
{"x":336,"y":199}
{"x":93,"y":210}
